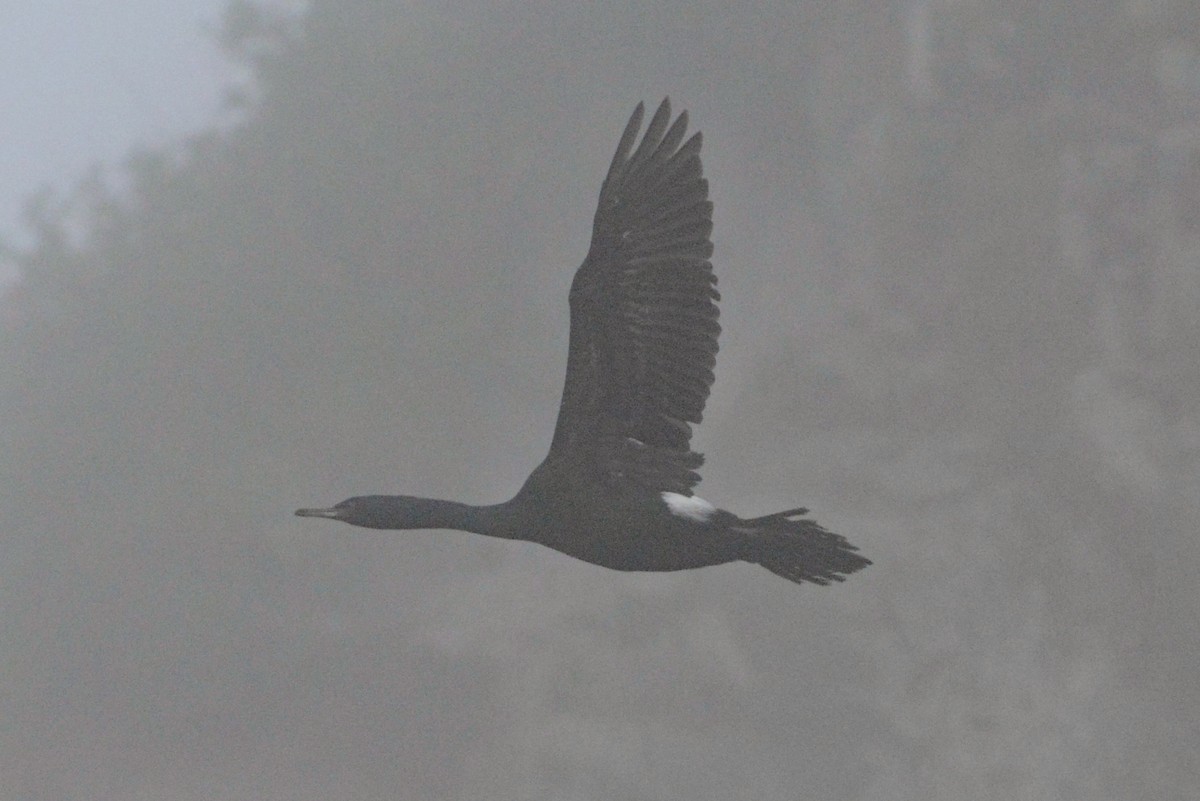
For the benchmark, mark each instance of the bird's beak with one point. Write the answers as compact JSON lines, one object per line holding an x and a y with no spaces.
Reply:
{"x":332,"y":514}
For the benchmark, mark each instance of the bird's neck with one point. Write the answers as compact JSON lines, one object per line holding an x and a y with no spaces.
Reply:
{"x":436,"y":513}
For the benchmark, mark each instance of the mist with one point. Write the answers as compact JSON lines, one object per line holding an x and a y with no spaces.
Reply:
{"x":957,"y":246}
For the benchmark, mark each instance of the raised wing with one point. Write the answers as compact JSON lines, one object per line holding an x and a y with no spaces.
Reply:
{"x":643,"y":315}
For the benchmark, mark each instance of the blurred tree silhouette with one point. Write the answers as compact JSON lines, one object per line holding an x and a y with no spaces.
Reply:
{"x":972,"y":334}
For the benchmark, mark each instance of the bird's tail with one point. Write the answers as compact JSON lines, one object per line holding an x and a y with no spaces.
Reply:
{"x":799,"y":550}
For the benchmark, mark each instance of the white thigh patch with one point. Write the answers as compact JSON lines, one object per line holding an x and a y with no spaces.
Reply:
{"x":689,"y":506}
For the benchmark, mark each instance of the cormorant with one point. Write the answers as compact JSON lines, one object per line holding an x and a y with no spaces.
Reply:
{"x":616,"y":487}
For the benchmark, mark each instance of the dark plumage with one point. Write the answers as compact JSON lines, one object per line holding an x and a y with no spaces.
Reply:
{"x":616,"y":487}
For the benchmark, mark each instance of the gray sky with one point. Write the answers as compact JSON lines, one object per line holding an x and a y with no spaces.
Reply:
{"x":959,"y":309}
{"x":84,"y":82}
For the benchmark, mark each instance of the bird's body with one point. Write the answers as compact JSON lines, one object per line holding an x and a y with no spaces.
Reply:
{"x":616,"y":487}
{"x":616,"y":529}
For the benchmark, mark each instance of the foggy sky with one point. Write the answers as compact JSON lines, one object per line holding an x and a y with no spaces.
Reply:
{"x":958,"y":309}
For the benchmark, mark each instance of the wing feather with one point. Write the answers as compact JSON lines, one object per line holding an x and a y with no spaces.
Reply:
{"x":644,"y":314}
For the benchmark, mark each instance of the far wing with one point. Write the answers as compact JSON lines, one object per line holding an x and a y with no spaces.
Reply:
{"x":644,"y":315}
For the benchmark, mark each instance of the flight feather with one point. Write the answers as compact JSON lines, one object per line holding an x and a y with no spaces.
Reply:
{"x":644,"y":313}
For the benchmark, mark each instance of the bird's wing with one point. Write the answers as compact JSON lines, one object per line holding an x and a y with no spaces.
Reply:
{"x":644,"y":315}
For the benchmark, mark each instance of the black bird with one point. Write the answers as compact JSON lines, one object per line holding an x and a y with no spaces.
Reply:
{"x":616,"y":487}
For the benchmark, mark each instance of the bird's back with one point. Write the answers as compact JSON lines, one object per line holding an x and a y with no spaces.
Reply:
{"x":613,"y":526}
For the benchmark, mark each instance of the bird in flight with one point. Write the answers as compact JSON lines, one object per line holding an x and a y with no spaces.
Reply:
{"x":615,"y":488}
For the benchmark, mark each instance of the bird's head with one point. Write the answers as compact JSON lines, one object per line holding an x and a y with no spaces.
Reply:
{"x":382,"y":511}
{"x":371,"y":511}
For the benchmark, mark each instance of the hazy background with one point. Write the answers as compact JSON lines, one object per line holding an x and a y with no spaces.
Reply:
{"x":82,"y":81}
{"x":958,"y":243}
